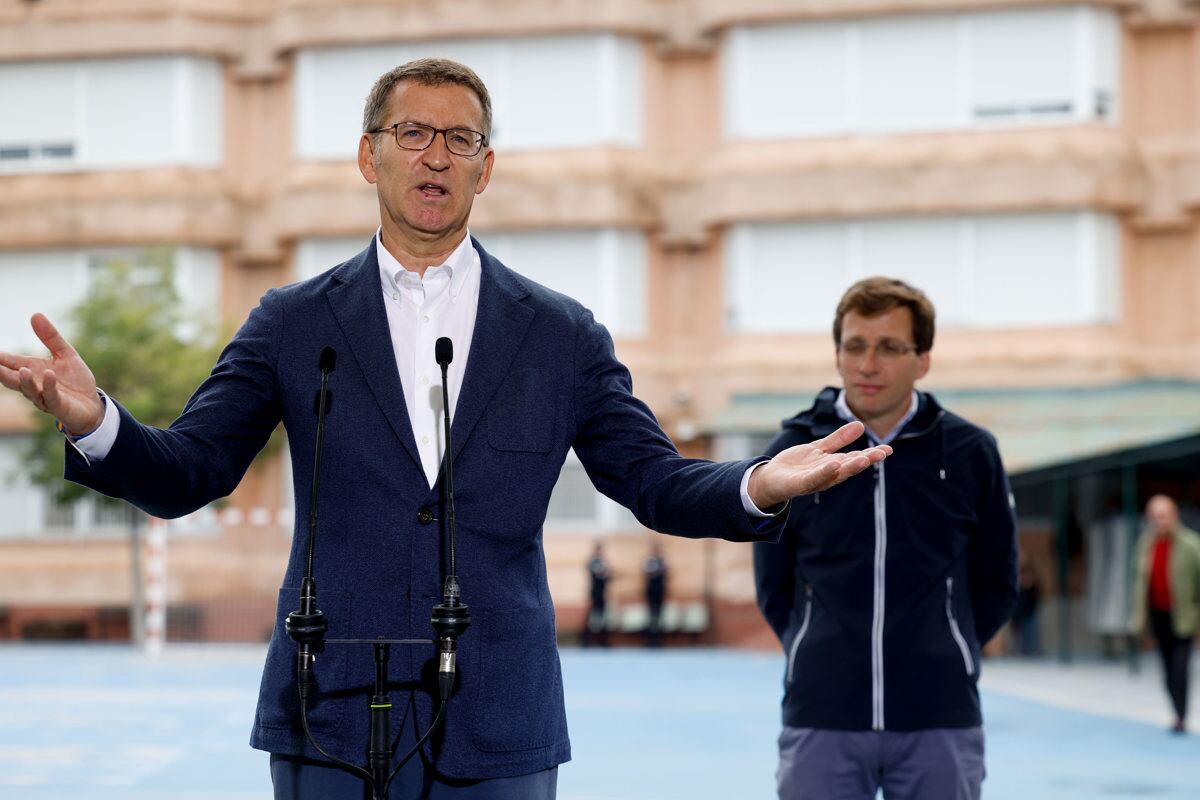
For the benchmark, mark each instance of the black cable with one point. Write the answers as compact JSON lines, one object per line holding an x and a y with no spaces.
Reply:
{"x":346,"y":765}
{"x":416,"y":747}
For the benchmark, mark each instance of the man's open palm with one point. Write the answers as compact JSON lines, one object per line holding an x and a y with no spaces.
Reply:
{"x":61,"y":385}
{"x":813,"y":467}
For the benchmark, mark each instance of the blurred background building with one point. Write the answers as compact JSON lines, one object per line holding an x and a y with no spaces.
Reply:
{"x":708,"y":177}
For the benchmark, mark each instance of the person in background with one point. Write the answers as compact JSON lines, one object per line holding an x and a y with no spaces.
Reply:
{"x":1025,"y":619}
{"x":884,"y":592}
{"x":595,"y":628}
{"x":654,"y":568}
{"x":1166,"y":595}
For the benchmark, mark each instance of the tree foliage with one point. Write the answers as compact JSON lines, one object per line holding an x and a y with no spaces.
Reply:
{"x":132,"y":329}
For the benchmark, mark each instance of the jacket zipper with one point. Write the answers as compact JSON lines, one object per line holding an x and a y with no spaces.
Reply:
{"x":877,"y":720}
{"x":879,"y":586}
{"x":954,"y":631}
{"x":800,"y":633}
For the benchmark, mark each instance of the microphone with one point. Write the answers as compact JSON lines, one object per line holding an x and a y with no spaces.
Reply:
{"x":307,"y":626}
{"x":450,"y":617}
{"x":443,"y":352}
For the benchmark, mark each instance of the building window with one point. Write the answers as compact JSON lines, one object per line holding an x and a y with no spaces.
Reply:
{"x":547,"y":92}
{"x":977,"y":270}
{"x":1024,"y":66}
{"x":53,"y":281}
{"x":576,"y":506}
{"x":110,"y":113}
{"x":604,"y":269}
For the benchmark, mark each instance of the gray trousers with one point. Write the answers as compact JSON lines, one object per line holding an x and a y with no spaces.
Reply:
{"x":938,"y":764}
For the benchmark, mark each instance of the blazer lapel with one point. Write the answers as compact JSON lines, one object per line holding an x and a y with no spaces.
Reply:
{"x":358,"y":307}
{"x":500,"y":325}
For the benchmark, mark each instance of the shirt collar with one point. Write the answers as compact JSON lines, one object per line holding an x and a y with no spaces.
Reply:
{"x":843,"y":411}
{"x":458,"y":266}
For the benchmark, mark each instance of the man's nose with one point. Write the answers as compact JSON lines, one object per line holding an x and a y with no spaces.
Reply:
{"x":869,"y":363}
{"x":437,"y":155}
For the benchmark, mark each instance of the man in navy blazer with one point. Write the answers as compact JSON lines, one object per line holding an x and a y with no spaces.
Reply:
{"x":540,"y":378}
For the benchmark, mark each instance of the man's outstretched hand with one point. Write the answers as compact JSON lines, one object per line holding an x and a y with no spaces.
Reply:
{"x":61,"y":385}
{"x":814,"y":467}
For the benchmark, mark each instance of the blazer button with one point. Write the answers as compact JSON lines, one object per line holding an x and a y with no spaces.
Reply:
{"x":425,"y":516}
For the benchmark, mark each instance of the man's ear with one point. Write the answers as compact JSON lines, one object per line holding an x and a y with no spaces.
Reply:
{"x":366,"y":157}
{"x":489,"y":158}
{"x":923,"y":364}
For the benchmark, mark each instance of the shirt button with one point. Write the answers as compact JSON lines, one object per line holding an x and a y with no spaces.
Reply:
{"x":425,"y":318}
{"x":424,"y":440}
{"x":424,"y":380}
{"x":425,"y":516}
{"x":395,"y":295}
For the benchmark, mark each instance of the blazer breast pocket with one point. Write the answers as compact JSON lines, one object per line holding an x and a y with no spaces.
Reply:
{"x":522,"y":416}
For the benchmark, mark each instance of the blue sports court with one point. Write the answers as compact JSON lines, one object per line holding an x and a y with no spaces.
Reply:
{"x":109,"y":724}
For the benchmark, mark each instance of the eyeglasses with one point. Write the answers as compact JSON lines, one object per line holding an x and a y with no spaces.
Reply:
{"x":885,"y":350}
{"x":415,"y":136}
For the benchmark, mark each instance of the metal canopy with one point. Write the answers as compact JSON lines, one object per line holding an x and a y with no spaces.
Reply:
{"x":1043,"y":432}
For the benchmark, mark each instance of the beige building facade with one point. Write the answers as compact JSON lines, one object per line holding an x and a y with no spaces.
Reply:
{"x":707,"y":176}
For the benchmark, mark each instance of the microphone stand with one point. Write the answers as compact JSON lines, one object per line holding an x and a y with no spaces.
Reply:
{"x":307,"y":626}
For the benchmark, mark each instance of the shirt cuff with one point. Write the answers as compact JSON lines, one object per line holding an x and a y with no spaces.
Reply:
{"x":748,"y":504}
{"x":96,"y":445}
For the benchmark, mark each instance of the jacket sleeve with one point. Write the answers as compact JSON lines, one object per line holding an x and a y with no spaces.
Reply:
{"x":993,"y":551}
{"x":631,"y":460}
{"x":205,"y":452}
{"x":775,"y":580}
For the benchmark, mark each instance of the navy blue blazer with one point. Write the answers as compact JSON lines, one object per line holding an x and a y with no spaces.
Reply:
{"x":541,"y":378}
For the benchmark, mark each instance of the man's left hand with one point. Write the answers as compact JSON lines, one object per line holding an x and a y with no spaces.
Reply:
{"x":814,"y":467}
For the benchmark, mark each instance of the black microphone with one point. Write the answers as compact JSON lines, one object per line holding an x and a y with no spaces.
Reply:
{"x":450,"y":617}
{"x":307,"y":626}
{"x":443,"y":352}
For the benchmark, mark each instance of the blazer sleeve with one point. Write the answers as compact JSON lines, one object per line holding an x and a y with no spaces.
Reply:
{"x":992,"y":554}
{"x":631,"y":460}
{"x":205,"y":452}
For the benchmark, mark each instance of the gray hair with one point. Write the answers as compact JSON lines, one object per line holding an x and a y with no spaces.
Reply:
{"x":427,"y":72}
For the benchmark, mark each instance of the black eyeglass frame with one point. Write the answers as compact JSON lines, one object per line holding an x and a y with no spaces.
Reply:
{"x":395,"y":129}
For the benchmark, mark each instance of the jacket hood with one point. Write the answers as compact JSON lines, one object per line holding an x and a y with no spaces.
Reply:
{"x":821,"y":419}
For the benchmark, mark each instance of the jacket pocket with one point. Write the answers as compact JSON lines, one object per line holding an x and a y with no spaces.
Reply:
{"x":520,"y":418}
{"x":519,"y":694}
{"x":278,"y":701}
{"x":794,"y":647}
{"x":968,"y":663}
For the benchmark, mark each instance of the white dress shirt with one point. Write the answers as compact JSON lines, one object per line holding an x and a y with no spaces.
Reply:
{"x":420,"y":310}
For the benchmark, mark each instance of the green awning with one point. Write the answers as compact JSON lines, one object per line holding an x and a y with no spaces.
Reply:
{"x":1036,"y":428}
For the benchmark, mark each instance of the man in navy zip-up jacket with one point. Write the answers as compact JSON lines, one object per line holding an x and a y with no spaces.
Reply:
{"x":884,"y":592}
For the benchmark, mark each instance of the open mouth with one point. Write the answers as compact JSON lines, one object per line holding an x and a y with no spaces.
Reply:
{"x":432,"y":190}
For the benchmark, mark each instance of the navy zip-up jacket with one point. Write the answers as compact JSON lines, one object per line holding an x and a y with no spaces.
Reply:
{"x":883,"y":589}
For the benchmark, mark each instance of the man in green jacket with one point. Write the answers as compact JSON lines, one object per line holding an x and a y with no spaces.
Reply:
{"x":1166,"y":593}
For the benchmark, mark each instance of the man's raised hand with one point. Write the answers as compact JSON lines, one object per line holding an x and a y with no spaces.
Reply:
{"x":813,"y":467}
{"x":61,"y":385}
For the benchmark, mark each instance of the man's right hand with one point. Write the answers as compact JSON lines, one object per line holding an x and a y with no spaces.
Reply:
{"x":61,"y":385}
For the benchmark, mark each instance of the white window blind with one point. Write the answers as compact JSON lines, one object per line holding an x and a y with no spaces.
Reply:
{"x":52,"y":281}
{"x":110,"y":113}
{"x":1045,"y":269}
{"x":922,"y":72}
{"x":547,"y":92}
{"x":604,"y":269}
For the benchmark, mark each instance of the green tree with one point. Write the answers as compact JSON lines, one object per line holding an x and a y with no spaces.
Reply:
{"x":133,"y":332}
{"x":144,"y":349}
